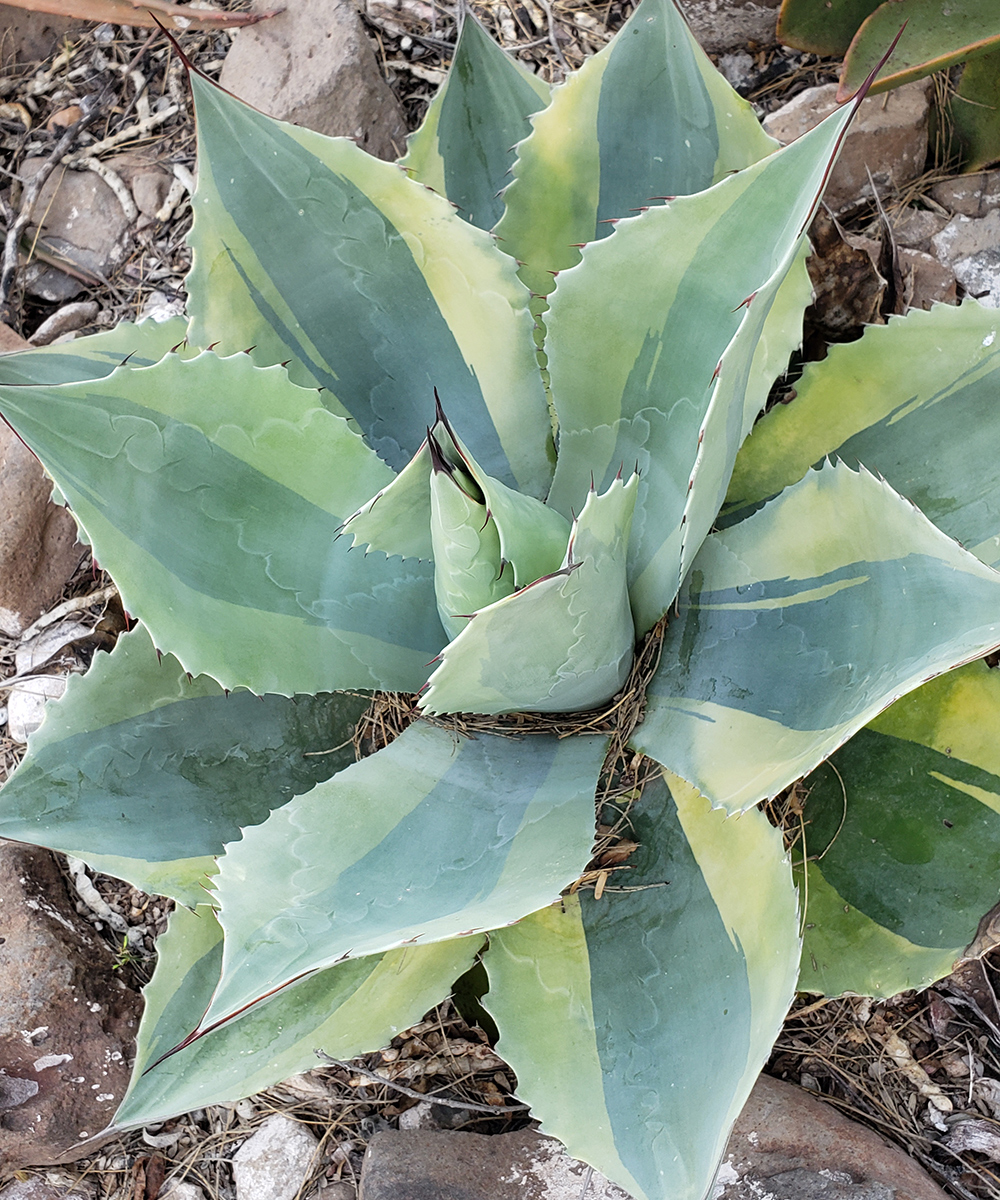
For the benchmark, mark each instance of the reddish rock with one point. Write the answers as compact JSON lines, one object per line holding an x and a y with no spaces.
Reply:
{"x":925,"y":280}
{"x":67,"y":1022}
{"x":38,"y":547}
{"x":969,"y":195}
{"x":888,"y":137}
{"x":789,"y":1145}
{"x":314,"y":65}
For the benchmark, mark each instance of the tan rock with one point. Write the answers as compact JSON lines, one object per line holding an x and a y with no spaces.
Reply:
{"x":67,"y":1022}
{"x":314,"y":65}
{"x":38,"y":547}
{"x":470,"y":1166}
{"x":914,"y":227}
{"x":888,"y":137}
{"x":147,"y":179}
{"x":30,"y":36}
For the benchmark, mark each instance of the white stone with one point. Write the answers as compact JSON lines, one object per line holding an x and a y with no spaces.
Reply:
{"x":274,"y":1163}
{"x":182,"y":1191}
{"x":971,"y":247}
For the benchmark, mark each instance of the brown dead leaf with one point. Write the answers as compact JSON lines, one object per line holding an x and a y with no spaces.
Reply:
{"x":617,"y":853}
{"x":848,"y":288}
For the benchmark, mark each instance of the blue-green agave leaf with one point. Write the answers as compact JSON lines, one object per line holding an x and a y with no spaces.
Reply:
{"x":646,"y":118}
{"x":436,"y":836}
{"x":563,"y":643}
{"x":902,"y":837}
{"x":799,"y":625}
{"x":213,"y":503}
{"x":901,"y":401}
{"x":146,"y":773}
{"x":465,"y":147}
{"x":95,"y":356}
{"x":637,"y":1023}
{"x":345,"y":1010}
{"x":651,"y":345}
{"x":310,"y":251}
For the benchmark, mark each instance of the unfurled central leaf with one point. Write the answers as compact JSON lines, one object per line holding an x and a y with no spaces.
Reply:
{"x":562,"y":644}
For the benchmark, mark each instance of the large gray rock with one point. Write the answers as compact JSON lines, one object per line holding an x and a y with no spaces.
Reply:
{"x":722,"y":25}
{"x":440,"y":1165}
{"x":314,"y":65}
{"x":67,"y":1022}
{"x":888,"y":137}
{"x":38,"y":547}
{"x":81,"y":218}
{"x":788,"y":1144}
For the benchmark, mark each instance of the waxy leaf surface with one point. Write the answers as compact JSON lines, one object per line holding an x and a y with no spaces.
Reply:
{"x":562,"y":644}
{"x":213,"y":503}
{"x":436,"y":836}
{"x":651,"y":344}
{"x":901,"y":402}
{"x":637,"y":1023}
{"x":368,"y":284}
{"x":647,"y":117}
{"x":936,"y":35}
{"x":799,"y":625}
{"x":146,"y":774}
{"x":95,"y":356}
{"x":345,"y":1011}
{"x":465,"y":147}
{"x":903,"y":834}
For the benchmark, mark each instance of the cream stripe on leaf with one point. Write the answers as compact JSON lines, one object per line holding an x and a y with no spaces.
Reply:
{"x":95,"y":356}
{"x":660,"y":1000}
{"x":751,"y":694}
{"x":433,"y":837}
{"x":900,"y":401}
{"x":345,"y":1011}
{"x":369,"y":284}
{"x":237,"y":519}
{"x":647,"y":117}
{"x":465,"y":147}
{"x":651,"y":346}
{"x":147,"y":773}
{"x":905,"y":823}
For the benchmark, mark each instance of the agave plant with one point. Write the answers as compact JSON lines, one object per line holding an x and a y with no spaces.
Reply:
{"x":298,"y":524}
